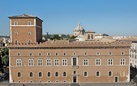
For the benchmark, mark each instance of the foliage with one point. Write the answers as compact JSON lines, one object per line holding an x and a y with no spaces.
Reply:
{"x":5,"y":60}
{"x":4,"y":57}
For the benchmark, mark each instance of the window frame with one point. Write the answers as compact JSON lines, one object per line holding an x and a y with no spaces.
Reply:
{"x":98,"y":72}
{"x":48,"y":63}
{"x":16,"y":23}
{"x":19,"y":74}
{"x":29,"y":23}
{"x":48,"y":74}
{"x":109,"y":73}
{"x":30,"y":74}
{"x":65,"y":74}
{"x":85,"y":62}
{"x":122,"y":61}
{"x":97,"y":61}
{"x":86,"y":74}
{"x":30,"y":63}
{"x":40,"y":76}
{"x":110,"y":61}
{"x":40,"y":63}
{"x":56,"y":62}
{"x":57,"y":74}
{"x":17,"y":62}
{"x":64,"y":62}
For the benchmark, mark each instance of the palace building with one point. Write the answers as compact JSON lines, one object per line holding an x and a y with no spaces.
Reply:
{"x":63,"y":61}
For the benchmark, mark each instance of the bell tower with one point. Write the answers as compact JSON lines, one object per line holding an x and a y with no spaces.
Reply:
{"x":25,"y":29}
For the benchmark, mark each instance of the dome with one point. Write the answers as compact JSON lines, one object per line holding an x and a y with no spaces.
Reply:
{"x":79,"y":28}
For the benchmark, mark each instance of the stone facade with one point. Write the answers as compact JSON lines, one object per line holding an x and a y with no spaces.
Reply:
{"x":25,"y":29}
{"x":65,"y":61}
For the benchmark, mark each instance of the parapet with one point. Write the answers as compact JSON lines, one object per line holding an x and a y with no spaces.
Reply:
{"x":70,"y":44}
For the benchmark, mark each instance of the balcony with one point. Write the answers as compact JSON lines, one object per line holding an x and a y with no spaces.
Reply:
{"x":75,"y":67}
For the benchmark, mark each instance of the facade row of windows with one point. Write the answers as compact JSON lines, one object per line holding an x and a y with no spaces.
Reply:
{"x":64,"y":54}
{"x":65,"y":62}
{"x":16,"y":33}
{"x":64,"y":74}
{"x":29,"y":41}
{"x":17,"y":23}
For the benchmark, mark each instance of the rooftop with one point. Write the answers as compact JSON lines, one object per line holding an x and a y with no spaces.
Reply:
{"x":72,"y":44}
{"x":24,"y":15}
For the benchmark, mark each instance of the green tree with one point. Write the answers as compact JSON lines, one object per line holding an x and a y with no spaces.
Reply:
{"x":4,"y":57}
{"x":5,"y":60}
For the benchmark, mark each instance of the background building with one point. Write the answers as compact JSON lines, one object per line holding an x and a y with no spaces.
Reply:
{"x":133,"y":54}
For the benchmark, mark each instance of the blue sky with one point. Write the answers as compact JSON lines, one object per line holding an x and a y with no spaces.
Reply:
{"x":113,"y":17}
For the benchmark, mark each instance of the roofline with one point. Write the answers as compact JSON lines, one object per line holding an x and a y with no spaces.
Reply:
{"x":11,"y":17}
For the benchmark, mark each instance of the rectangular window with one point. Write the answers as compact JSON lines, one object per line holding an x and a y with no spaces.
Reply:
{"x":98,"y":62}
{"x":29,"y":22}
{"x":40,"y":61}
{"x":122,"y":61}
{"x":110,"y":61}
{"x":18,"y":62}
{"x":64,"y":62}
{"x":56,"y":62}
{"x":31,"y":62}
{"x":85,"y":62}
{"x":74,"y":61}
{"x":48,"y":62}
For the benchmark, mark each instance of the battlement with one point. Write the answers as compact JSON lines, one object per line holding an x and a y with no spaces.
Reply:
{"x":74,"y":44}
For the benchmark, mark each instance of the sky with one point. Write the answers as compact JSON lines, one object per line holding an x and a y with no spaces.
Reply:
{"x":113,"y":17}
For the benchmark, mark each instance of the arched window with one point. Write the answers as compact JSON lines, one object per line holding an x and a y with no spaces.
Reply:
{"x":49,"y":74}
{"x":40,"y":74}
{"x":92,"y":36}
{"x":15,"y":23}
{"x":29,"y":22}
{"x":29,"y":41}
{"x":64,"y":74}
{"x":16,"y":41}
{"x":97,"y":73}
{"x":19,"y":74}
{"x":109,"y":73}
{"x":85,"y":73}
{"x":56,"y":74}
{"x":88,"y":36}
{"x":31,"y":74}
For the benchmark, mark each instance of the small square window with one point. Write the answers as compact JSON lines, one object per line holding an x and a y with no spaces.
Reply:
{"x":122,"y":53}
{"x":64,"y":54}
{"x":74,"y":53}
{"x":29,"y":33}
{"x":31,"y":54}
{"x":48,"y":54}
{"x":85,"y":53}
{"x":56,"y":54}
{"x":18,"y":54}
{"x":16,"y":33}
{"x":98,"y":53}
{"x":40,"y":54}
{"x":29,"y":22}
{"x":15,"y":23}
{"x":110,"y":53}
